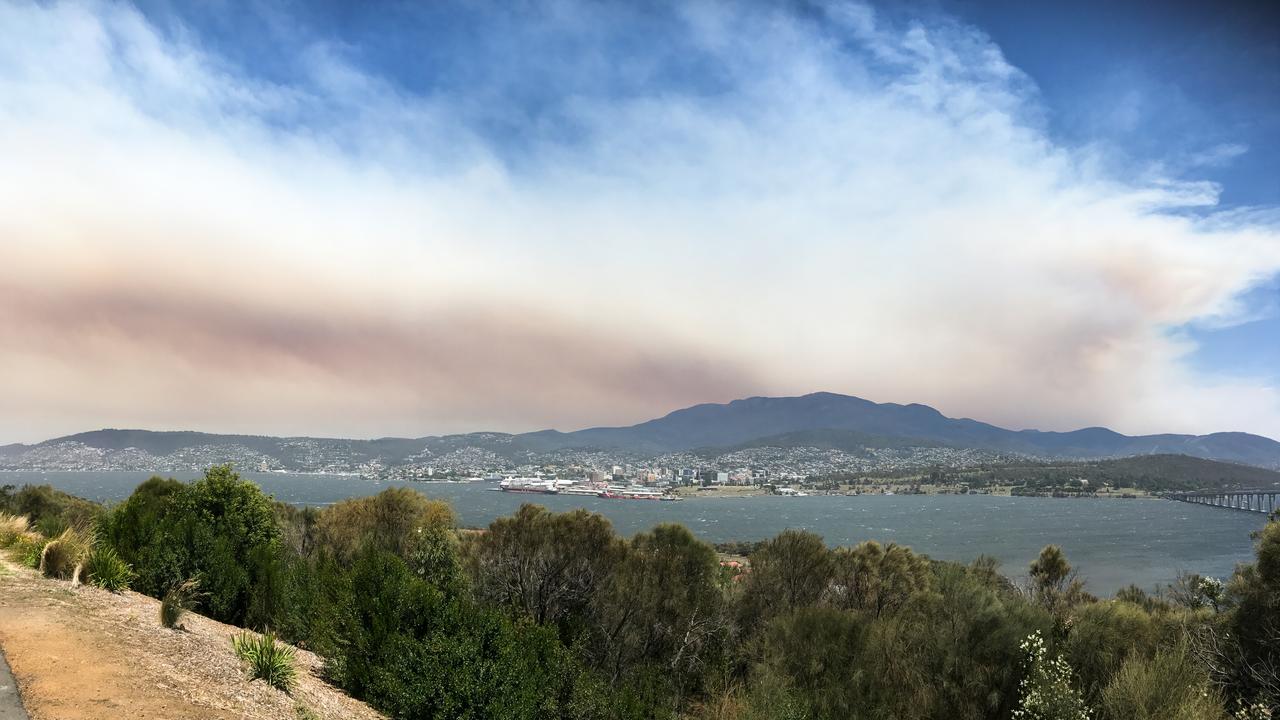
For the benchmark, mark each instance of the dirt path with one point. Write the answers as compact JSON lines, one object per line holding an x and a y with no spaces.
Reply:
{"x":80,"y":653}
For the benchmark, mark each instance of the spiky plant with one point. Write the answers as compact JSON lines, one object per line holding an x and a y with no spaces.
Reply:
{"x":266,"y":659}
{"x":179,"y":599}
{"x":62,"y":555}
{"x":105,"y":569}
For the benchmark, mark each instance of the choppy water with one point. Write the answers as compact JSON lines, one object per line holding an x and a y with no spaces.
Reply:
{"x":1111,"y":542}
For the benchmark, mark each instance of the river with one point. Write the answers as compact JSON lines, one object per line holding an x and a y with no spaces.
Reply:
{"x":1111,"y":542}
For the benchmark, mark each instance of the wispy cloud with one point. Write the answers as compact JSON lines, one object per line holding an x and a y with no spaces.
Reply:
{"x":584,"y":231}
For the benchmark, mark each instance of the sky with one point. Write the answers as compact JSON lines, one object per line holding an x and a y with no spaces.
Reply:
{"x":369,"y":219}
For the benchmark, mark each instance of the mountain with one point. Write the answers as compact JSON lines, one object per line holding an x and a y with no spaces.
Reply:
{"x":753,"y":420}
{"x":821,"y":420}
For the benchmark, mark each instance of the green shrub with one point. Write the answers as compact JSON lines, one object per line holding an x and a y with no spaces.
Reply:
{"x":52,"y":525}
{"x":106,"y":570}
{"x":267,"y":659}
{"x":212,"y":529}
{"x":28,"y":549}
{"x":44,"y":505}
{"x":1170,"y":686}
{"x":179,"y":599}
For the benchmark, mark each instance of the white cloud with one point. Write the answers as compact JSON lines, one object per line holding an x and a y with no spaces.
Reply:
{"x":860,"y":208}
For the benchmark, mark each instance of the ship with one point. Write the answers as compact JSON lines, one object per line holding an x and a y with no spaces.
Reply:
{"x":616,"y":492}
{"x":529,"y":485}
{"x":586,"y":490}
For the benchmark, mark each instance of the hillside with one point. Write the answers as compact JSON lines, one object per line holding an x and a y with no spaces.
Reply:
{"x":824,"y":420}
{"x":1146,"y":472}
{"x":81,"y":653}
{"x":755,"y":419}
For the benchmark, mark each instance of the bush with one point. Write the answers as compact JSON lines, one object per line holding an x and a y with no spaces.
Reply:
{"x":1047,"y":692}
{"x":106,"y":570}
{"x":212,"y":529}
{"x":52,"y":526}
{"x":55,"y":509}
{"x":29,"y":548}
{"x":390,"y":521}
{"x":414,"y":652}
{"x":267,"y":660}
{"x":1169,"y":686}
{"x":63,"y":555}
{"x":179,"y":599}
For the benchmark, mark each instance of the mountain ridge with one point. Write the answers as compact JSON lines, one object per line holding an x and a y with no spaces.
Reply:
{"x":746,"y":422}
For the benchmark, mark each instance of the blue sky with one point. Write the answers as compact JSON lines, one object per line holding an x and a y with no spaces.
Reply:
{"x":446,"y":216}
{"x":1166,"y":84}
{"x":1188,"y":90}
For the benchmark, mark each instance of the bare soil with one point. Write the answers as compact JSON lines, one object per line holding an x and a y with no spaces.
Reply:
{"x":82,"y":653}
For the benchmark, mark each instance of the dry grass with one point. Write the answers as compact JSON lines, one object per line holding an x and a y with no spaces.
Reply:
{"x":12,"y":528}
{"x":63,"y":556}
{"x":181,"y":597}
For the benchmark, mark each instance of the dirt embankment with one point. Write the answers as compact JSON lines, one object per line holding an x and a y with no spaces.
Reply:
{"x":81,"y":653}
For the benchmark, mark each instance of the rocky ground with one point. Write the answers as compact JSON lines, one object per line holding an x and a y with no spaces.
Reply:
{"x":81,"y":653}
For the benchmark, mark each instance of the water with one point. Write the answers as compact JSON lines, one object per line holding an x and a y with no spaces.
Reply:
{"x":1111,"y":542}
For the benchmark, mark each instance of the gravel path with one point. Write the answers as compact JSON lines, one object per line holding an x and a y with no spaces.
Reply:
{"x":81,"y":653}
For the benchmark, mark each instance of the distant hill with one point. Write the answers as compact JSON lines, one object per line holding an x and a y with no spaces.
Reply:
{"x":824,"y":420}
{"x":752,"y":420}
{"x":1186,"y":472}
{"x":1147,"y":472}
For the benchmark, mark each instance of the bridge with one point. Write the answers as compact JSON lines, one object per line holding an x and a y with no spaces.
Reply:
{"x":1259,"y":501}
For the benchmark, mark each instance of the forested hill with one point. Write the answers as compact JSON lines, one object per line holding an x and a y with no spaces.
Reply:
{"x":1146,"y":472}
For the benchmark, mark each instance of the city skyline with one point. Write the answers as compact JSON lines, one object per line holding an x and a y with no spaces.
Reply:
{"x":386,"y":221}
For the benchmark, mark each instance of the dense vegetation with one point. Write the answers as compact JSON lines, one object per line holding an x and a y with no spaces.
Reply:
{"x":546,"y":615}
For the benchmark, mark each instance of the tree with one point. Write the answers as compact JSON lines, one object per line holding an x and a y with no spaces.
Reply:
{"x":416,"y":653}
{"x":1254,"y":622}
{"x":816,"y":652}
{"x":545,"y":565}
{"x":877,"y":579}
{"x":661,"y":610}
{"x":1054,"y":583}
{"x":393,"y":520}
{"x":790,"y":571}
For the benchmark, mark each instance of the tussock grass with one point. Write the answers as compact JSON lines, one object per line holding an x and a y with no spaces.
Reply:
{"x":267,"y":659}
{"x":12,"y":529}
{"x":62,"y":556}
{"x":105,"y":569}
{"x":179,"y":599}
